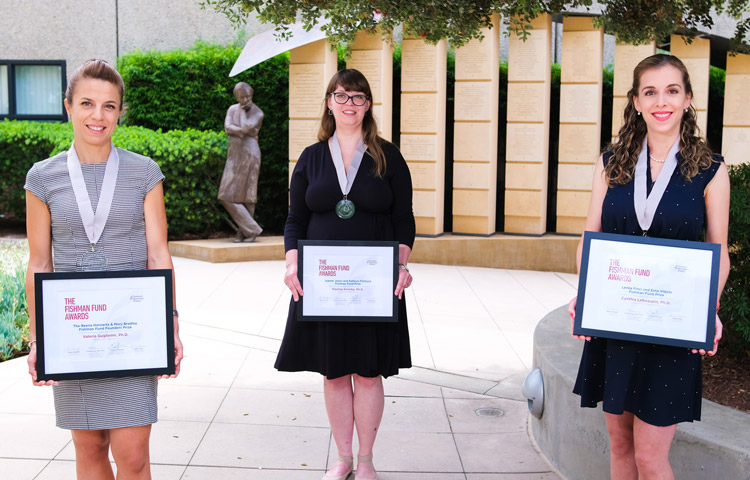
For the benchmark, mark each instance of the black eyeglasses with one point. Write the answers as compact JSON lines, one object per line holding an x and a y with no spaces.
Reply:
{"x":357,"y":100}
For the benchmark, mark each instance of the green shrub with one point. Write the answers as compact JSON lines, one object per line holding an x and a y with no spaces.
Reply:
{"x":192,"y":162}
{"x":14,"y":317}
{"x":735,"y":304}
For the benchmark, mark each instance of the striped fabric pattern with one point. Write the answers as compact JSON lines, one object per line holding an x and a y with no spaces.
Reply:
{"x":95,"y":404}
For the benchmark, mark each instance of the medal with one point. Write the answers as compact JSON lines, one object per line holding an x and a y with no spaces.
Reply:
{"x":93,"y":223}
{"x":345,"y":207}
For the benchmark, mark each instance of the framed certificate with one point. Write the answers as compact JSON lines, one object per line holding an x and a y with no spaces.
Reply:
{"x":648,"y":290}
{"x":104,"y":324}
{"x":347,"y":281}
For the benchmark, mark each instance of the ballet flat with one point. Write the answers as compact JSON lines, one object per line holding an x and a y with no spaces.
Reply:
{"x":346,"y":460}
{"x":364,"y":459}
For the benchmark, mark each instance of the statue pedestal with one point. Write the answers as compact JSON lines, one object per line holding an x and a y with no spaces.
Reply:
{"x":221,"y":250}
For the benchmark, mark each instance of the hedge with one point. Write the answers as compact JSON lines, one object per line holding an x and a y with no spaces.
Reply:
{"x":735,"y":302}
{"x":192,"y":162}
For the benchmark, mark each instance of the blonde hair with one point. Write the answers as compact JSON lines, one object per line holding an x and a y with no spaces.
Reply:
{"x":695,"y":152}
{"x":352,"y":80}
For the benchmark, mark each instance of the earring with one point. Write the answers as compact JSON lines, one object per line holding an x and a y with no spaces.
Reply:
{"x":686,"y":110}
{"x":639,"y":114}
{"x":330,"y":112}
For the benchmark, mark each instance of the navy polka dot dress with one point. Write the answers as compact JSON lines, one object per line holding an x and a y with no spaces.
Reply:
{"x":661,"y":385}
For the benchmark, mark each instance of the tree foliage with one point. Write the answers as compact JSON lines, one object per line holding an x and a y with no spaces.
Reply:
{"x":632,"y":21}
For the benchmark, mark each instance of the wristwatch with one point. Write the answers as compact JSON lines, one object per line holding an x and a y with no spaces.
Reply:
{"x":175,"y":313}
{"x":403,"y":266}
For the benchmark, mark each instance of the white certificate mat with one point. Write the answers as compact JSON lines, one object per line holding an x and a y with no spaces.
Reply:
{"x":648,"y":289}
{"x":348,"y":281}
{"x":104,"y":324}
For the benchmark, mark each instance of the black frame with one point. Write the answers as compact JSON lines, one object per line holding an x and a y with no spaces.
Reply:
{"x":715,"y":249}
{"x":301,"y":244}
{"x":40,"y":278}
{"x":63,"y":117}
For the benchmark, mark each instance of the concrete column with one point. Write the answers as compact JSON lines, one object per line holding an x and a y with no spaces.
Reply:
{"x":311,"y":67}
{"x":475,"y":134}
{"x":374,"y":58}
{"x":423,"y":78}
{"x":527,"y":149}
{"x":735,"y":143}
{"x":697,"y":58}
{"x":626,"y":58}
{"x":580,"y":120}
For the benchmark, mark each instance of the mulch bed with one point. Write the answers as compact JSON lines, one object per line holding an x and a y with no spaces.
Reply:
{"x":726,"y":380}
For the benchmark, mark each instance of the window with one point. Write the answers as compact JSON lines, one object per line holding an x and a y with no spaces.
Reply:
{"x":32,"y":90}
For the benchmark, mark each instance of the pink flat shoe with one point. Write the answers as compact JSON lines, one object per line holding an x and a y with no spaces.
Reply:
{"x":364,"y":459}
{"x":349,"y":462}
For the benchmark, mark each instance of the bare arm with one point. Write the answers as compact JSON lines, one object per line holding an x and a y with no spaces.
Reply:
{"x":158,"y":254}
{"x":39,"y":233}
{"x":404,"y":277}
{"x":717,"y":219}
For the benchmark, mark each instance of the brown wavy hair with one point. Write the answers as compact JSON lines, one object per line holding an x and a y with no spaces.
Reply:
{"x":353,"y":81}
{"x":694,"y":150}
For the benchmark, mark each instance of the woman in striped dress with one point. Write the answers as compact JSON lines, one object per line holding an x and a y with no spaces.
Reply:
{"x":102,"y":413}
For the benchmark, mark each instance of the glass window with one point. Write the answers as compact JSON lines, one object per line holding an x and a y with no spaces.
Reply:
{"x":38,"y":90}
{"x":4,"y":96}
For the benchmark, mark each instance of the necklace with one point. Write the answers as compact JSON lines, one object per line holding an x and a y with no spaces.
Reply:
{"x":656,"y":159}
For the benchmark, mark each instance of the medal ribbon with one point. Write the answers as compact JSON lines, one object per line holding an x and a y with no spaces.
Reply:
{"x":346,"y":179}
{"x":93,"y":223}
{"x":645,"y":205}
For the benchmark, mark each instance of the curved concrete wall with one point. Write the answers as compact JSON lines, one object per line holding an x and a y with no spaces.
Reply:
{"x":575,"y":439}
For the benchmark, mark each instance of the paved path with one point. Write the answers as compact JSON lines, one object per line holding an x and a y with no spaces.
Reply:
{"x":230,"y":415}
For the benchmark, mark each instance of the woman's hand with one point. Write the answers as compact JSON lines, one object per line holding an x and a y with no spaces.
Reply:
{"x":31,"y":360}
{"x":292,"y":281}
{"x":178,"y":355}
{"x":572,"y":312}
{"x":717,"y":337}
{"x":404,"y":281}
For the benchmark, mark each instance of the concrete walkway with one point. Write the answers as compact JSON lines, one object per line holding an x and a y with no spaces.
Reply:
{"x":458,"y":414}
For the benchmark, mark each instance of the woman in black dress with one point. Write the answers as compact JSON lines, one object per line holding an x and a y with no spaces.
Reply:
{"x":648,"y":389}
{"x":350,"y":163}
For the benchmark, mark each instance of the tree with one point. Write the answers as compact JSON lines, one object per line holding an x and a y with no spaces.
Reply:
{"x":632,"y":21}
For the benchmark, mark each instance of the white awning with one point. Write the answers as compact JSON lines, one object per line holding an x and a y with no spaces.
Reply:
{"x":266,"y":45}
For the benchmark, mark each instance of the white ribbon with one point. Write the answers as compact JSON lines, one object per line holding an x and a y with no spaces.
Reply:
{"x":346,"y":178}
{"x":93,"y":223}
{"x":645,"y":205}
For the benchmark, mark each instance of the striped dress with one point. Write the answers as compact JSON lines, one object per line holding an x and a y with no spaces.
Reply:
{"x":96,"y":404}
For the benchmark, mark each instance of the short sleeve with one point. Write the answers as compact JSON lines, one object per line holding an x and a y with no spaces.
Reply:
{"x":710,"y":172}
{"x":153,"y":175}
{"x":35,"y":184}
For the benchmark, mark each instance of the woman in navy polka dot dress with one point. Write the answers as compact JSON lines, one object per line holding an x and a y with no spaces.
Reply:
{"x":646,"y":389}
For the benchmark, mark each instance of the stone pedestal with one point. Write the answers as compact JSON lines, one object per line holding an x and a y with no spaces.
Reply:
{"x":374,"y":58}
{"x":423,"y":74}
{"x":310,"y":69}
{"x":527,"y":150}
{"x":580,"y":120}
{"x":735,"y":143}
{"x":626,"y":58}
{"x":697,"y":58}
{"x":475,"y":134}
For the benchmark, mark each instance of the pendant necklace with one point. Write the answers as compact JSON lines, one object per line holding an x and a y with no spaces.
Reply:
{"x":93,"y":223}
{"x":645,"y":204}
{"x":345,"y":208}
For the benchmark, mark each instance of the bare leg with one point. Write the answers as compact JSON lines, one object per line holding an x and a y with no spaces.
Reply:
{"x":622,"y":457}
{"x":92,"y":454}
{"x":369,"y":401}
{"x":131,"y":452}
{"x":339,"y":405}
{"x":249,"y":228}
{"x":652,"y":450}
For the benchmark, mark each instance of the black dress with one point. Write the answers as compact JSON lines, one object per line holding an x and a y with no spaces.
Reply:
{"x":383,"y":212}
{"x":660,"y":385}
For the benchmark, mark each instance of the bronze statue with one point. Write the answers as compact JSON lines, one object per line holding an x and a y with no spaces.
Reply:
{"x":238,"y":191}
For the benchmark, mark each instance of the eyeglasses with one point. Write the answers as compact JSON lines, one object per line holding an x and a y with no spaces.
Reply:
{"x":357,"y":100}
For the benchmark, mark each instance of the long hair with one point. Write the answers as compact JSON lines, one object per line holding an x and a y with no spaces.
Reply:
{"x":695,"y":152}
{"x":99,"y":70}
{"x":353,"y":81}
